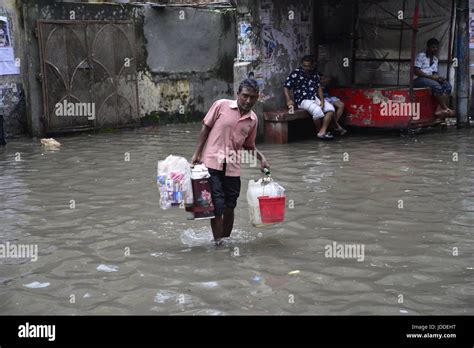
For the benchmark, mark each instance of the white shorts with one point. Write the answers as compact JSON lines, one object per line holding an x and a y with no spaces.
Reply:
{"x":314,"y":108}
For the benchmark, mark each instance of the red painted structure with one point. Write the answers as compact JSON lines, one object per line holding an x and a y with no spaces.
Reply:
{"x":387,"y":107}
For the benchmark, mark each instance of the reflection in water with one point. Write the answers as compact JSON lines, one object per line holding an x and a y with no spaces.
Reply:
{"x":103,"y":238}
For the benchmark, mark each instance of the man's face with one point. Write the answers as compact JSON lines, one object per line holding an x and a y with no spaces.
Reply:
{"x":307,"y":66}
{"x":246,"y":98}
{"x":433,"y":49}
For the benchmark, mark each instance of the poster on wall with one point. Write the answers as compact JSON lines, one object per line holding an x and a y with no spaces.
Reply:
{"x":8,"y":64}
{"x":269,"y":43}
{"x":471,"y":29}
{"x":247,"y":43}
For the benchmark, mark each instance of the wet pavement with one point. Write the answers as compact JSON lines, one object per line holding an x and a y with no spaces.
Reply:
{"x":105,"y":246}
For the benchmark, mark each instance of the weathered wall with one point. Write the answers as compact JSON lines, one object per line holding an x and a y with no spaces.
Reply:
{"x":12,"y":102}
{"x":190,"y":57}
{"x":50,"y":10}
{"x":174,"y":83}
{"x":273,"y":36}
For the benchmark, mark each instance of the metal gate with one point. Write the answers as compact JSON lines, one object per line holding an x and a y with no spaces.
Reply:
{"x":88,"y":73}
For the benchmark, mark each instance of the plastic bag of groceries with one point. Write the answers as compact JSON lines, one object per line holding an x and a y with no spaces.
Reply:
{"x":174,"y":182}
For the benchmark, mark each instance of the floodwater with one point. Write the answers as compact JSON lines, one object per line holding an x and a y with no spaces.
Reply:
{"x":105,"y":246}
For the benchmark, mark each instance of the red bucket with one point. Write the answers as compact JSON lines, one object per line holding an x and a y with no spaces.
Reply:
{"x":272,"y":209}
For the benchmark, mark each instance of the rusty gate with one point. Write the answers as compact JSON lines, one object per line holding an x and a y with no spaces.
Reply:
{"x":88,"y":74}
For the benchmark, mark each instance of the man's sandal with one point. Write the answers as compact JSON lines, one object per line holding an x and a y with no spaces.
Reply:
{"x":325,"y":136}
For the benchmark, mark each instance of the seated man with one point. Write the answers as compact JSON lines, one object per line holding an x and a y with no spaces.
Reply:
{"x":426,"y":70}
{"x":305,"y":83}
{"x":335,"y":101}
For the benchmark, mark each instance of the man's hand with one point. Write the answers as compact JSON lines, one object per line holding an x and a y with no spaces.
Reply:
{"x":196,"y":159}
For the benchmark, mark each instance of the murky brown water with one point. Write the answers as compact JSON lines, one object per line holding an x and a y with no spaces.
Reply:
{"x":174,"y":268}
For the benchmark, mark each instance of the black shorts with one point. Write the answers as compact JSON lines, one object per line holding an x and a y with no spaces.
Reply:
{"x":224,"y":190}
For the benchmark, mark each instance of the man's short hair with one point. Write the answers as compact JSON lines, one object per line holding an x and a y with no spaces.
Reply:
{"x":308,"y":58}
{"x":249,"y":84}
{"x":432,"y":42}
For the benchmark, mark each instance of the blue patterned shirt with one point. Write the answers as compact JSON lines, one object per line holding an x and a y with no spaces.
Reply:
{"x":424,"y":64}
{"x":304,"y":86}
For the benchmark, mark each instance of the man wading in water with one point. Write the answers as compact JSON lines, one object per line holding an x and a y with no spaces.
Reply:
{"x":229,"y":127}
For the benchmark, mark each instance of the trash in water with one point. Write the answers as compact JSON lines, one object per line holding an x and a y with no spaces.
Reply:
{"x":164,"y":296}
{"x":50,"y":142}
{"x":36,"y":285}
{"x":294,"y":272}
{"x":107,"y":268}
{"x":207,"y":285}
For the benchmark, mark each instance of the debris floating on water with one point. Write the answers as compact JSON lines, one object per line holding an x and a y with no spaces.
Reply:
{"x":107,"y":268}
{"x":36,"y":285}
{"x":50,"y":142}
{"x":294,"y":272}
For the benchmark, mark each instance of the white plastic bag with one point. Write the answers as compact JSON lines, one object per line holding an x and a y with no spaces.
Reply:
{"x":199,"y":171}
{"x":174,"y":182}
{"x":258,"y":189}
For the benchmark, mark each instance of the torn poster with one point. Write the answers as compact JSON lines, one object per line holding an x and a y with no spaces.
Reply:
{"x":8,"y":64}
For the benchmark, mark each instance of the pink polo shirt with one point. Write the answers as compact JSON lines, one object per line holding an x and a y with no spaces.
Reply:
{"x":229,"y":133}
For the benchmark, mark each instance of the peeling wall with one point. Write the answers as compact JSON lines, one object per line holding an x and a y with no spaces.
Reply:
{"x":274,"y":36}
{"x":190,"y":58}
{"x":50,"y":10}
{"x":175,"y":84}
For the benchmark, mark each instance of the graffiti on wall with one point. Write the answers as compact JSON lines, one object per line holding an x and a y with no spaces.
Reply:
{"x":9,"y":94}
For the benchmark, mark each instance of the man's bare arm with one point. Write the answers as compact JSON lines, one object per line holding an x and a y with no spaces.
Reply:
{"x":203,"y":134}
{"x":260,"y":156}
{"x":289,"y":101}
{"x":420,"y":73}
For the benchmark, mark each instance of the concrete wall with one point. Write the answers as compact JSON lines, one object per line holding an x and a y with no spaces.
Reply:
{"x":176,"y":81}
{"x":471,"y":34}
{"x":191,"y":52}
{"x":273,"y":36}
{"x":12,"y":101}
